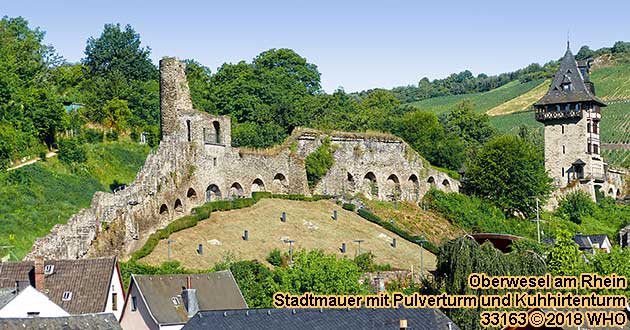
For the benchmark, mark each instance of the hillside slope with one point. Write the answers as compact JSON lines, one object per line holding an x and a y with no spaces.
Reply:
{"x":34,"y":198}
{"x":310,"y":223}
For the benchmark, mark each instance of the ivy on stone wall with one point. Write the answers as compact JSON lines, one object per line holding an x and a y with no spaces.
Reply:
{"x":319,"y":162}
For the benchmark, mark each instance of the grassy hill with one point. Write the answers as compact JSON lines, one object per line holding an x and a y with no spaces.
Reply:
{"x":36,"y":197}
{"x":309,"y":223}
{"x":483,"y":101}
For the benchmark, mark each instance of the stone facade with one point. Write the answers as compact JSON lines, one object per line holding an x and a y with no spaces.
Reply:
{"x":196,"y":163}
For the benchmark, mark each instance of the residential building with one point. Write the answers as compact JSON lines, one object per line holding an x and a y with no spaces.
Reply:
{"x":169,"y":301}
{"x":27,"y":302}
{"x":74,"y":322}
{"x":78,"y":286}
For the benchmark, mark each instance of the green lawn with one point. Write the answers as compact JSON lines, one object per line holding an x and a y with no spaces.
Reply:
{"x":36,"y":197}
{"x":483,"y":101}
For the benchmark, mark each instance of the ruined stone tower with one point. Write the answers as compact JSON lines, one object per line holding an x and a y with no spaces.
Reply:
{"x":571,"y":114}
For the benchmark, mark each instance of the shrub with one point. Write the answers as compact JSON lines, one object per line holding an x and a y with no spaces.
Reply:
{"x":348,"y":206}
{"x":275,"y":257}
{"x":319,"y":162}
{"x":90,"y":135}
{"x":70,"y":151}
{"x":365,"y":262}
{"x":576,"y":205}
{"x":112,"y":136}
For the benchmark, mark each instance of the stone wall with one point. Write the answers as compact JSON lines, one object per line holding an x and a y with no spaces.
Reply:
{"x":195,"y":163}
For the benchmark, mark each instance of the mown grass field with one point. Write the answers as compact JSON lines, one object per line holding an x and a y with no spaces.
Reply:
{"x":310,"y":223}
{"x":36,"y":197}
{"x":483,"y":101}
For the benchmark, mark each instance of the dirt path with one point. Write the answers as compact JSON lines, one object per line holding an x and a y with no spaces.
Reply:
{"x":33,"y":161}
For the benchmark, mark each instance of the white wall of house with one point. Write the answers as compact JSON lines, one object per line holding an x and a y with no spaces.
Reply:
{"x":140,"y":318}
{"x":29,"y":300}
{"x":115,"y":289}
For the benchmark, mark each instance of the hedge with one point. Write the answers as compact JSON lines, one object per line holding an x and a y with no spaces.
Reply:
{"x":369,"y":216}
{"x":348,"y":206}
{"x":203,"y":212}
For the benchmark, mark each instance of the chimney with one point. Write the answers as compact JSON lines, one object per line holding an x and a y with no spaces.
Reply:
{"x":40,"y":279}
{"x":403,"y":324}
{"x":190,"y":299}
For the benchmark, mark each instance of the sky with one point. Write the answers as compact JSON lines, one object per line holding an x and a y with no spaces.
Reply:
{"x":356,"y":45}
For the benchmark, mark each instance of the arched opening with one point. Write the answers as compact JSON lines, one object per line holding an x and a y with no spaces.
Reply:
{"x":236,"y":190}
{"x":280,"y":184}
{"x":217,"y":132}
{"x":370,"y":186}
{"x":351,"y":185}
{"x":611,"y":192}
{"x":188,"y":130}
{"x":213,"y":193}
{"x":415,"y":187}
{"x":178,"y":206}
{"x":258,"y":185}
{"x":618,"y":195}
{"x":163,"y":209}
{"x":393,"y":187}
{"x":431,"y":181}
{"x":446,"y":184}
{"x":192,"y":194}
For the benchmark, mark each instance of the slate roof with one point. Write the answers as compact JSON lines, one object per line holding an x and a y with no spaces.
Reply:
{"x":599,"y":238}
{"x":329,"y":319}
{"x":87,"y":279}
{"x":583,"y":242}
{"x":568,"y":73}
{"x":6,"y":295}
{"x":78,"y":322}
{"x":215,"y":291}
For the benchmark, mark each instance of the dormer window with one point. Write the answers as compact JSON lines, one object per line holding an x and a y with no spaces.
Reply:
{"x":67,"y":296}
{"x":48,"y":269}
{"x":175,"y":301}
{"x":566,"y":87}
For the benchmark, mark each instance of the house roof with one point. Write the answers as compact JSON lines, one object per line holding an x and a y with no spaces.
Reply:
{"x":330,"y":319}
{"x":6,"y":295}
{"x":583,"y":242}
{"x":77,"y":322}
{"x":215,"y":291}
{"x":568,"y":73}
{"x":599,"y":238}
{"x":87,"y":279}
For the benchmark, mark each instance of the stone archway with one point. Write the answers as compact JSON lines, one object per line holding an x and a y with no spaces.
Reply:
{"x":178,"y":207}
{"x":415,"y":188}
{"x":213,"y":193}
{"x":236,"y":190}
{"x":258,"y":185}
{"x":393,"y":187}
{"x":280,"y":184}
{"x":446,"y":184}
{"x":370,"y":185}
{"x":163,"y":209}
{"x":431,"y":181}
{"x":350,"y":185}
{"x":192,"y":194}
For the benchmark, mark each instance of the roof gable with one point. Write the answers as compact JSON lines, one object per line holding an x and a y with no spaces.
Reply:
{"x":87,"y":279}
{"x":568,"y":75}
{"x":215,"y":291}
{"x":78,"y":322}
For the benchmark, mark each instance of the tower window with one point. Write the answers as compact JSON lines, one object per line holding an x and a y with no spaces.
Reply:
{"x":562,"y":126}
{"x":588,"y":127}
{"x":563,"y":172}
{"x":595,"y":127}
{"x":596,"y":149}
{"x":563,"y":149}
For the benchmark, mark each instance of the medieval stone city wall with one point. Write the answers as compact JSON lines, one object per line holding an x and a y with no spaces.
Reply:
{"x":195,"y":163}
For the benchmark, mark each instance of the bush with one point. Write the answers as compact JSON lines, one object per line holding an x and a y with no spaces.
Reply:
{"x":70,"y":151}
{"x":90,"y":135}
{"x":575,"y":206}
{"x":112,"y":136}
{"x":275,"y":257}
{"x":319,"y":162}
{"x":348,"y":206}
{"x":365,"y":262}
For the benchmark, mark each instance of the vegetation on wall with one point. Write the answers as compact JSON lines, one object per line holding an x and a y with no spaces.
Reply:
{"x":319,"y":162}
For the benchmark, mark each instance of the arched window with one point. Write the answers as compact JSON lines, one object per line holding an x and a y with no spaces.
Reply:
{"x":217,"y":132}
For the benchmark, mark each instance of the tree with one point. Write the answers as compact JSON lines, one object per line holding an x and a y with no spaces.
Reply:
{"x":474,"y":127}
{"x":117,"y":50}
{"x":563,"y":257}
{"x":509,"y":172}
{"x":316,"y":272}
{"x":575,"y":206}
{"x":116,"y":114}
{"x":319,"y":162}
{"x":584,"y":53}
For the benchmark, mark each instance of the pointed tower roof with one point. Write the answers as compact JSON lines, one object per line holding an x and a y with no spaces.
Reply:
{"x":568,"y":74}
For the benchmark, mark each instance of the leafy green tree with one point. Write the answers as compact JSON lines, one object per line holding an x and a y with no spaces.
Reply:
{"x":70,"y":151}
{"x":255,"y":281}
{"x":575,"y":206}
{"x":316,"y":272}
{"x":509,"y":172}
{"x":198,"y":77}
{"x":474,"y":127}
{"x":563,"y":259}
{"x":117,"y":114}
{"x":118,"y":50}
{"x":377,"y":109}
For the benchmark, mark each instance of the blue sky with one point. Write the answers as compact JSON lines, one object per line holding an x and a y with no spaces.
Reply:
{"x":355,"y":44}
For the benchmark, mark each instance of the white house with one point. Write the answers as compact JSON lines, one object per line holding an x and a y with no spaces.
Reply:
{"x":83,"y":286}
{"x":27,"y":302}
